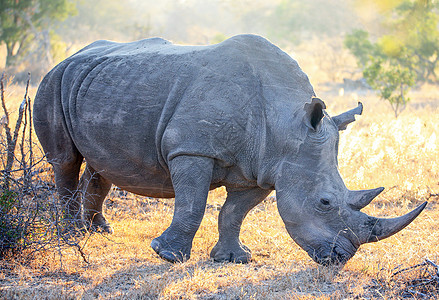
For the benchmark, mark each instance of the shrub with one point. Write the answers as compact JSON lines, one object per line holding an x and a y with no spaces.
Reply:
{"x":387,"y":67}
{"x":30,"y":215}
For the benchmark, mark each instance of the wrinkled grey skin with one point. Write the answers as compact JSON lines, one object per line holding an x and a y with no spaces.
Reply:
{"x":162,"y":120}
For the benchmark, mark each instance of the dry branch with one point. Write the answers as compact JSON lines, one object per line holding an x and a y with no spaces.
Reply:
{"x":420,"y":280}
{"x":11,"y":138}
{"x":31,"y":218}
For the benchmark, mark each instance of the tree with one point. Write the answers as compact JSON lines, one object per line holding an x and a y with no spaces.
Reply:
{"x":360,"y":46}
{"x":24,"y":22}
{"x":417,"y":28}
{"x":411,"y":29}
{"x":392,"y":81}
{"x":406,"y":54}
{"x":388,"y":66}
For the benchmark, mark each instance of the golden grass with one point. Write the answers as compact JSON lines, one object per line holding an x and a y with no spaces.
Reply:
{"x":124,"y":266}
{"x":378,"y":150}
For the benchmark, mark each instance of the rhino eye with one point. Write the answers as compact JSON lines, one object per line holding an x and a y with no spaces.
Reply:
{"x":324,"y":205}
{"x":325,"y":201}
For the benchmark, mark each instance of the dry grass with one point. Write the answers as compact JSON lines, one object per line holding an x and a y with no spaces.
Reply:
{"x":378,"y":150}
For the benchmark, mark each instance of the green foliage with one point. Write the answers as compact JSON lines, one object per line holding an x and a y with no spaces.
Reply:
{"x":412,"y":30}
{"x":10,"y":233}
{"x":387,"y":66}
{"x":58,"y":47}
{"x":406,"y":54}
{"x":22,"y":23}
{"x":7,"y":201}
{"x":360,"y":46}
{"x":418,"y":28}
{"x":392,"y":81}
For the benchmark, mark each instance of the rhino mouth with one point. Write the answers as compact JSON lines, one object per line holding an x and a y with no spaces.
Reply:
{"x":332,"y":254}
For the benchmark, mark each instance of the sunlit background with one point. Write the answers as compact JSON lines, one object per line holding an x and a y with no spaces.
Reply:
{"x":287,"y":23}
{"x":352,"y":50}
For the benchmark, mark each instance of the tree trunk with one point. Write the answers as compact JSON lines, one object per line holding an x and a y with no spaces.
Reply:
{"x":10,"y":59}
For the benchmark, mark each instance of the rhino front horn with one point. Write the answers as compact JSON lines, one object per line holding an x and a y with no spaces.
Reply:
{"x":376,"y":229}
{"x":345,"y":118}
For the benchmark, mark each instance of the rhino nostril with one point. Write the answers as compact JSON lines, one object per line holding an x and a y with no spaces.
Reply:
{"x":334,"y":255}
{"x":332,"y":258}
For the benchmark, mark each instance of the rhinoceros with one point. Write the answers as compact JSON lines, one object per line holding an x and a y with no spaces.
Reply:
{"x":164,"y":120}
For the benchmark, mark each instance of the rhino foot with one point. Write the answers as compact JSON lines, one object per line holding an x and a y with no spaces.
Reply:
{"x":237,"y":253}
{"x":170,"y":250}
{"x":101,"y":228}
{"x":98,"y":223}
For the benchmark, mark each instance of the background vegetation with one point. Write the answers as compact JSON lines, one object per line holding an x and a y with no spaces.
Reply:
{"x":53,"y":29}
{"x":407,"y":53}
{"x":345,"y":46}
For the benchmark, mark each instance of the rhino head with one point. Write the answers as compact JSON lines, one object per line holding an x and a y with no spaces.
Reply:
{"x":320,"y":213}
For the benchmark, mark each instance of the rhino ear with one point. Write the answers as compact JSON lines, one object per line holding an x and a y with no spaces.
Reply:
{"x":345,"y":118}
{"x":314,"y":112}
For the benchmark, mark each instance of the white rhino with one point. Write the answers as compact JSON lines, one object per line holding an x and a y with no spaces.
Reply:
{"x":162,"y":120}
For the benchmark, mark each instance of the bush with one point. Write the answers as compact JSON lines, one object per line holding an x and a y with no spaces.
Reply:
{"x":30,"y":215}
{"x":391,"y":81}
{"x":387,"y":67}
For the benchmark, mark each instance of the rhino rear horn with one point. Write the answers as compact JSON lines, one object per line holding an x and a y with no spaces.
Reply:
{"x":314,"y":112}
{"x":345,"y":118}
{"x":360,"y":199}
{"x":376,"y":229}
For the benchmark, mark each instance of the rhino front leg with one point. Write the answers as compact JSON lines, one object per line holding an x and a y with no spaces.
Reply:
{"x":191,"y":178}
{"x":94,"y":190}
{"x":233,"y":212}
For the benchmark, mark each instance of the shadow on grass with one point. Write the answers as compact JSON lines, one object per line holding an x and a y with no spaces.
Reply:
{"x":203,"y":279}
{"x":208,"y":280}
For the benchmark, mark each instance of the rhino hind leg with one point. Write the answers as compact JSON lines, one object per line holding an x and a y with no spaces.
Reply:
{"x":66,"y":180}
{"x":66,"y":162}
{"x":237,"y":205}
{"x":94,"y":189}
{"x":191,"y":177}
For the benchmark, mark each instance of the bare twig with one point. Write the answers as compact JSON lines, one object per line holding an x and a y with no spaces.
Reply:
{"x":23,"y":161}
{"x":434,"y":265}
{"x":31,"y":155}
{"x":3,"y":99}
{"x":409,"y":268}
{"x":432,"y":195}
{"x":11,"y":138}
{"x":425,"y":283}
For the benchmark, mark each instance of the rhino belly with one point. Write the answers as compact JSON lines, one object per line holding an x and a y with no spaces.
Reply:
{"x":127,"y":162}
{"x":135,"y":171}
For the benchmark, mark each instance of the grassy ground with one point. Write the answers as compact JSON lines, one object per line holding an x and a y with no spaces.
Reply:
{"x":378,"y":150}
